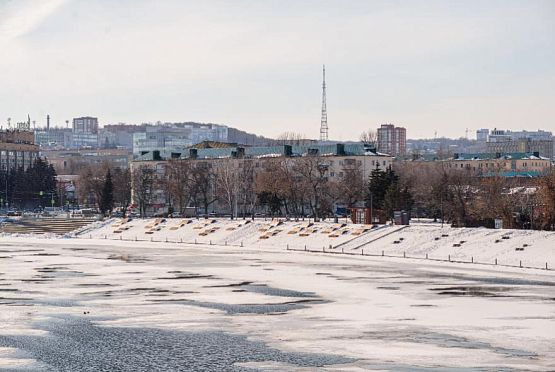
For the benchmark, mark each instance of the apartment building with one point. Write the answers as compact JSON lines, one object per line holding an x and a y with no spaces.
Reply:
{"x":516,"y":164}
{"x":17,"y":149}
{"x":334,"y":159}
{"x":392,"y":140}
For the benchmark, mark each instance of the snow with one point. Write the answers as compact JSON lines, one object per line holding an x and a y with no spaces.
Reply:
{"x":419,"y":240}
{"x":389,"y":313}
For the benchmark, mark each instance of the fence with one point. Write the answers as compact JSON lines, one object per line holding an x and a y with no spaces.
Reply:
{"x":166,"y":240}
{"x":495,"y":262}
{"x":330,"y":250}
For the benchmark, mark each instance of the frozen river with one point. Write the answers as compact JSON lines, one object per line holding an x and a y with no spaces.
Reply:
{"x":97,"y":305}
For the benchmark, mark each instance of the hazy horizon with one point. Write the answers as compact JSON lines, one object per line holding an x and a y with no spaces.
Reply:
{"x":428,"y":66}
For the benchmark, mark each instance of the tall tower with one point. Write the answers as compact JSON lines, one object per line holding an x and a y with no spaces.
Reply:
{"x":324,"y":119}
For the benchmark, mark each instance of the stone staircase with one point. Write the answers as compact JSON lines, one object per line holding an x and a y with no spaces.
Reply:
{"x":45,"y":225}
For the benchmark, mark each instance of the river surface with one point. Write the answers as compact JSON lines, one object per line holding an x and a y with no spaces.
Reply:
{"x":94,"y":305}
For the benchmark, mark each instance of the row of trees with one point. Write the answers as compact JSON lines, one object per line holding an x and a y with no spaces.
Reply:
{"x":298,"y":187}
{"x":464,"y":198}
{"x":179,"y":184}
{"x":294,"y":187}
{"x":31,"y":188}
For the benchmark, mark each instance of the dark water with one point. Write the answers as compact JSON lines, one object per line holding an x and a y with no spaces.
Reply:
{"x":232,"y":309}
{"x":76,"y":344}
{"x":425,"y":336}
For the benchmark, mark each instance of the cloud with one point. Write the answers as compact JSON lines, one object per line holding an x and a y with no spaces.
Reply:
{"x":18,"y":18}
{"x":257,"y":65}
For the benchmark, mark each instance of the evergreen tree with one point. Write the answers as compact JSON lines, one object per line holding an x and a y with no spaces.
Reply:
{"x":385,"y":192}
{"x":107,"y":196}
{"x":30,"y":188}
{"x":378,"y":185}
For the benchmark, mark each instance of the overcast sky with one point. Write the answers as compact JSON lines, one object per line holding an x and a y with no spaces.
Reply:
{"x":256,"y":65}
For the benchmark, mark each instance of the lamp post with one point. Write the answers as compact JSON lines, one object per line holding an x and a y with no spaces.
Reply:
{"x":441,"y":204}
{"x":371,"y":208}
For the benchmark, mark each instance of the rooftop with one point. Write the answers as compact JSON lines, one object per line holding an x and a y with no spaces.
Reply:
{"x":333,"y":149}
{"x":499,"y":156}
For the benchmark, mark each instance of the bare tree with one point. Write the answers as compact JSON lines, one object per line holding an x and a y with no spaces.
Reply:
{"x":369,"y":137}
{"x":121,"y":179}
{"x":202,"y":185}
{"x":312,"y":171}
{"x":292,"y":138}
{"x":90,"y":183}
{"x":247,"y":194}
{"x":351,"y":186}
{"x":268,"y":185}
{"x":547,"y":200}
{"x":178,"y":177}
{"x":143,"y":179}
{"x":227,"y":184}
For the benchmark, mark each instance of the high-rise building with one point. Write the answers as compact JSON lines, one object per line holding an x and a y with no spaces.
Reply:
{"x":86,"y":125}
{"x":482,"y":135}
{"x":392,"y":140}
{"x":84,"y":132}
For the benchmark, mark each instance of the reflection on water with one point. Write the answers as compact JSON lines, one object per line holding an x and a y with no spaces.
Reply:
{"x":75,"y":344}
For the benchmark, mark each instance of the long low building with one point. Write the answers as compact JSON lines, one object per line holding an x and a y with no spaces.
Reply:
{"x":338,"y":155}
{"x":334,"y":161}
{"x":524,"y":164}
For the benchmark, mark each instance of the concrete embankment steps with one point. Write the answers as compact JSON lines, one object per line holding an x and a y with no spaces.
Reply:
{"x":45,"y":225}
{"x":368,"y":238}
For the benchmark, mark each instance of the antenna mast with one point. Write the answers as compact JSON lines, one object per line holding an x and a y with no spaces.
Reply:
{"x":324,"y":120}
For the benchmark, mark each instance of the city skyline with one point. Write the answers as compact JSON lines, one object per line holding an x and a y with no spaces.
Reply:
{"x":429,"y":67}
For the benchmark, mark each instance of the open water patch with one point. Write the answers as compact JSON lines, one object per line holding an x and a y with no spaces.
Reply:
{"x":278,"y":292}
{"x":77,"y":344}
{"x":473,"y":291}
{"x":186,"y":276}
{"x":234,"y":309}
{"x":445,"y":340}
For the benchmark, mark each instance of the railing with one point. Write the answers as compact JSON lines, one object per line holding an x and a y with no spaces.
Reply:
{"x":331,"y":250}
{"x":495,"y":261}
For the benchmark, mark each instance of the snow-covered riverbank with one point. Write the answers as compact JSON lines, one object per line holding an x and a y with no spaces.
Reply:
{"x":420,"y":240}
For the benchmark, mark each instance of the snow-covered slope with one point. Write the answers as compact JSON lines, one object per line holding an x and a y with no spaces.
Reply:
{"x":481,"y":245}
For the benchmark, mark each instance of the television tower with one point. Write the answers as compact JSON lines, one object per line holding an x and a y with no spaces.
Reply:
{"x":324,"y":120}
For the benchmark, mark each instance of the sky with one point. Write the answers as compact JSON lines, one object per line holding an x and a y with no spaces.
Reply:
{"x":433,"y":67}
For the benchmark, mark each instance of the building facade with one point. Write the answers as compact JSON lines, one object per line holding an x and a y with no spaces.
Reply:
{"x":482,"y":135}
{"x":72,"y":161}
{"x":17,"y":149}
{"x":176,"y":137}
{"x":392,"y":140}
{"x":509,"y":164}
{"x":503,"y":146}
{"x":53,"y":137}
{"x":334,"y":159}
{"x":85,"y":125}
